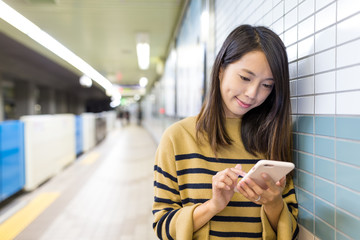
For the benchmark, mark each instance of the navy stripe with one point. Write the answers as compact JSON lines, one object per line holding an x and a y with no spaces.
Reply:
{"x":159,"y":170}
{"x":164,"y":209}
{"x":159,"y":225}
{"x":164,"y":187}
{"x":165,"y":200}
{"x":193,"y":200}
{"x":294,"y":205}
{"x":236,"y":219}
{"x":167,"y":224}
{"x":211,"y":159}
{"x":243,"y":204}
{"x":296,"y":232}
{"x":292,"y":191}
{"x":195,"y":170}
{"x":195,"y":186}
{"x":236,"y":234}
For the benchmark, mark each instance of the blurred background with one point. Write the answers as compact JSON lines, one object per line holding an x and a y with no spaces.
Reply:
{"x":87,"y":88}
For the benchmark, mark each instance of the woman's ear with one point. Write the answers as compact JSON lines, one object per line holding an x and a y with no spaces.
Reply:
{"x":221,"y":73}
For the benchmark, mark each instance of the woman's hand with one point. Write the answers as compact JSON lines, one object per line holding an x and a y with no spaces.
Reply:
{"x":223,"y":184}
{"x":270,"y":198}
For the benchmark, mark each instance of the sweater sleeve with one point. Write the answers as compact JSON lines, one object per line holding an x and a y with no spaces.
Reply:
{"x":171,"y":219}
{"x":287,"y":226}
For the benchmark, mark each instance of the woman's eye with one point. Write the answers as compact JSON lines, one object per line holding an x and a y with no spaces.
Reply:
{"x":268,"y":85}
{"x":244,"y":78}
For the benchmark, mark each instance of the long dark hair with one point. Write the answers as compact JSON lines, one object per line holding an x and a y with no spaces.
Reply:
{"x":265,"y":129}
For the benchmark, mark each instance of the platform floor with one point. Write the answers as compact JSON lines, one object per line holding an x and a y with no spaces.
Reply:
{"x":105,"y":194}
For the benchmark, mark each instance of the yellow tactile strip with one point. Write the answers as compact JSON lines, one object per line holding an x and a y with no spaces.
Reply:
{"x":19,"y":221}
{"x":90,"y":158}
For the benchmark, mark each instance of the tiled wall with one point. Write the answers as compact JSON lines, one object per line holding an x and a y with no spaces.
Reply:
{"x":323,"y":43}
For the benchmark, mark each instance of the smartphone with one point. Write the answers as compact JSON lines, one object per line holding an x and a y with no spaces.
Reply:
{"x":275,"y":169}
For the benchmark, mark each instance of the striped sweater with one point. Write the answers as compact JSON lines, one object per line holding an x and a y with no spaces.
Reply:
{"x":183,"y":180}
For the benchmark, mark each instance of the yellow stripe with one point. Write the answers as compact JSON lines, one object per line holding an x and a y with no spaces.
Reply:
{"x":90,"y":158}
{"x":20,"y":220}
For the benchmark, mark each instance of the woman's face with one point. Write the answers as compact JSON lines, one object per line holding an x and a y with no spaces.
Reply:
{"x":245,"y":84}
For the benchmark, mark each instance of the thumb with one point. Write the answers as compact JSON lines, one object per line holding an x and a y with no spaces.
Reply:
{"x":238,"y":170}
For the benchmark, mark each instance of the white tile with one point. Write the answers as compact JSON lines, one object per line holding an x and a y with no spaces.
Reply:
{"x":267,"y":19}
{"x":325,"y":39}
{"x":348,"y":103}
{"x":293,"y":91}
{"x":348,"y":29}
{"x":345,"y":54}
{"x":325,"y":17}
{"x":305,"y":86}
{"x":347,"y":7}
{"x":306,"y":47}
{"x":306,"y":28}
{"x":293,"y":70}
{"x":278,"y":26}
{"x":278,"y":11}
{"x":325,"y":82}
{"x":306,"y":66}
{"x":290,"y":4}
{"x":293,"y":105}
{"x":325,"y":104}
{"x":292,"y":52}
{"x":325,"y":61}
{"x":322,"y":3}
{"x":306,"y":8}
{"x":291,"y":18}
{"x":348,"y":79}
{"x":305,"y":105}
{"x":290,"y":36}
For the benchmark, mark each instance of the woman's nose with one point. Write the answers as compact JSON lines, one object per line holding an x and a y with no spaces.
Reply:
{"x":251,"y":90}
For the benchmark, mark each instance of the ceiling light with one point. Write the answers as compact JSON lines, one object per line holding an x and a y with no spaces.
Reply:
{"x":143,"y":50}
{"x":143,"y":82}
{"x":18,"y":21}
{"x":85,"y":81}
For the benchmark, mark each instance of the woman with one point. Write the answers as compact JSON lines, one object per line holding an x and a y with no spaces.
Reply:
{"x":245,"y":118}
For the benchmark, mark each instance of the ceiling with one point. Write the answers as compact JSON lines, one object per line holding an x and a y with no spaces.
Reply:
{"x":102,"y":33}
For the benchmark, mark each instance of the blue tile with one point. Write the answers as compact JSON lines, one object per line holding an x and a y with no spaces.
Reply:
{"x":348,"y":176}
{"x":348,"y":152}
{"x":306,"y":124}
{"x":325,"y":126}
{"x":348,"y":200}
{"x":348,"y":127}
{"x":306,"y":181}
{"x":325,"y":190}
{"x":306,"y":219}
{"x":306,"y":162}
{"x":340,"y":236}
{"x":325,"y":211}
{"x":324,"y":231}
{"x":305,"y":143}
{"x":295,"y":141}
{"x":294,"y":123}
{"x":325,"y":147}
{"x":306,"y":200}
{"x":325,"y":168}
{"x":347,"y":224}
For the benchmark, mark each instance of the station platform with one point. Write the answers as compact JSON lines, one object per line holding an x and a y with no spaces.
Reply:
{"x":105,"y":194}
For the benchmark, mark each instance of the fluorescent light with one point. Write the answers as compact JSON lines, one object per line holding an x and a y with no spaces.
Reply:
{"x":143,"y":82}
{"x":18,"y":21}
{"x":143,"y":50}
{"x":85,"y":81}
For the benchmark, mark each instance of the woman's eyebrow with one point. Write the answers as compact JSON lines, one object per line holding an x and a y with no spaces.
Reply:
{"x":253,"y":74}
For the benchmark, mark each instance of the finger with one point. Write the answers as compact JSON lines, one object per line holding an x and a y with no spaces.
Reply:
{"x":268,"y":180}
{"x":281,"y":182}
{"x":221,"y":185}
{"x":254,"y":187}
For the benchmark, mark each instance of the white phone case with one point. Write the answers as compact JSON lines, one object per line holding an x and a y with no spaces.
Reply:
{"x":276,"y":170}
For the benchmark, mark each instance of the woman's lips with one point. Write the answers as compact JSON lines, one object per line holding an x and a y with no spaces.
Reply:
{"x":242,"y":104}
